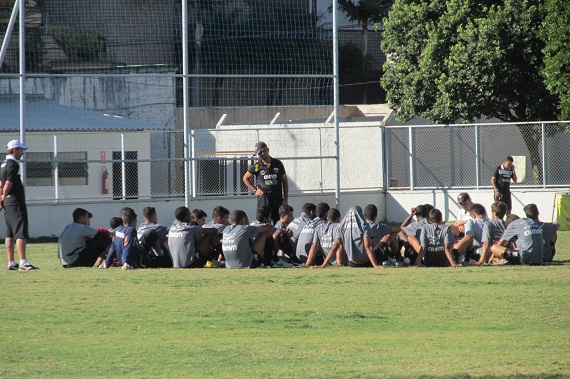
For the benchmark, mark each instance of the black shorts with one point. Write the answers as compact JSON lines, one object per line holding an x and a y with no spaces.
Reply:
{"x":16,"y":217}
{"x":505,"y":197}
{"x":272,"y":202}
{"x":512,"y":257}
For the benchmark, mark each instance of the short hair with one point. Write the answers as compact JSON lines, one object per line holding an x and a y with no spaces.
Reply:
{"x":284,"y":209}
{"x":182,"y":214}
{"x":500,"y":209}
{"x":262,"y":213}
{"x":148,"y":212}
{"x":510,"y":218}
{"x":333,"y":214}
{"x":308,"y":207}
{"x":531,"y":211}
{"x":509,"y":159}
{"x":80,"y":212}
{"x":370,"y":212}
{"x":478,"y":209}
{"x":125,"y":210}
{"x":128,"y":215}
{"x":198,"y":213}
{"x":423,"y":210}
{"x":435,"y":216}
{"x":115,"y":222}
{"x":238,"y":216}
{"x":322,"y":209}
{"x":220,"y":211}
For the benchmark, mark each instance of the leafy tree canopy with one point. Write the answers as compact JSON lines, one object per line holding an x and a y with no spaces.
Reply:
{"x":457,"y":60}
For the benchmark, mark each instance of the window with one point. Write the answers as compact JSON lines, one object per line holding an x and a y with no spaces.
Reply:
{"x":40,"y":169}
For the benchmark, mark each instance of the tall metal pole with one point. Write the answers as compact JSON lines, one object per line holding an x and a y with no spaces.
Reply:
{"x":23,"y":80}
{"x":543,"y":130}
{"x":336,"y":100}
{"x":9,"y":31}
{"x":185,"y":99}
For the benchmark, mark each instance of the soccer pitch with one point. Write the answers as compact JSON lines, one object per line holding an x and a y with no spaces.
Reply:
{"x":477,"y":322}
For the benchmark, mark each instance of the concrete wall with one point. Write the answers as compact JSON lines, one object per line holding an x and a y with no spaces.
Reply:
{"x":399,"y":203}
{"x":50,"y":219}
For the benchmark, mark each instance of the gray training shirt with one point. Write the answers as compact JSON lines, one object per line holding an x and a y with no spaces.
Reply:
{"x":236,"y":245}
{"x":354,"y":229}
{"x":379,"y":230}
{"x":182,"y":243}
{"x":415,"y":228}
{"x":529,"y":239}
{"x":306,"y":236}
{"x":325,"y":235}
{"x":474,"y":227}
{"x":297,"y":225}
{"x":72,"y":241}
{"x":493,"y":231}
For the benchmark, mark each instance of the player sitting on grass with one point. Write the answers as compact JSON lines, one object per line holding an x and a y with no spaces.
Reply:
{"x":125,"y":246}
{"x":411,"y":230}
{"x":357,"y":240}
{"x":470,"y":247}
{"x":79,"y":244}
{"x":328,"y":238}
{"x":270,"y":258}
{"x":465,"y":203}
{"x":153,"y":239}
{"x":191,"y":245}
{"x":305,"y":240}
{"x":308,"y":212}
{"x":492,"y":231}
{"x":384,"y":236}
{"x":436,"y":241}
{"x":243,"y":243}
{"x":283,"y":243}
{"x":528,"y":236}
{"x":550,"y":235}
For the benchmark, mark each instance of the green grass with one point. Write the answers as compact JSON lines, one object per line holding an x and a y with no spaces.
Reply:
{"x":473,"y":322}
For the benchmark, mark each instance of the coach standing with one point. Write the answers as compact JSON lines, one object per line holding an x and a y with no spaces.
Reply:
{"x":501,"y":181}
{"x":272,"y":185}
{"x":13,"y":201}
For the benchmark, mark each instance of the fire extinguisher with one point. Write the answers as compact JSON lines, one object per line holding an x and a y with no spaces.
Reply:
{"x":104,"y":179}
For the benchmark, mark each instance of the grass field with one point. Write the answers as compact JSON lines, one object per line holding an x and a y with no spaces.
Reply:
{"x":478,"y":322}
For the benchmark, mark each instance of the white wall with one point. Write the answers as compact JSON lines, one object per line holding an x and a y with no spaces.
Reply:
{"x":50,"y":219}
{"x":399,"y":203}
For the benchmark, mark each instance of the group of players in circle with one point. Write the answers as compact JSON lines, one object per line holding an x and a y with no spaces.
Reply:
{"x":318,"y":237}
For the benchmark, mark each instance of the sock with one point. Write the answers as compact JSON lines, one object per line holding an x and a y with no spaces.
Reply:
{"x":11,"y":263}
{"x":23,"y":262}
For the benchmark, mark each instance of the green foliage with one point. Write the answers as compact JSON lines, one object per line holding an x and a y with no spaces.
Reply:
{"x":458,"y":60}
{"x":477,"y":322}
{"x":555,"y":31}
{"x":83,"y":44}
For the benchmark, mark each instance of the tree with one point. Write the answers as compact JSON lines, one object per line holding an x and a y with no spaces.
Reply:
{"x":459,"y":60}
{"x":557,"y":52}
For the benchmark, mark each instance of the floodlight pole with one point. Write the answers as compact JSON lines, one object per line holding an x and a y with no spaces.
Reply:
{"x":185,"y":100}
{"x":9,"y":31}
{"x":336,"y":100}
{"x":22,"y":37}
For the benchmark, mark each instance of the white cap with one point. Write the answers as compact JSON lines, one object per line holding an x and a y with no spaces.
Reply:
{"x":15,"y":143}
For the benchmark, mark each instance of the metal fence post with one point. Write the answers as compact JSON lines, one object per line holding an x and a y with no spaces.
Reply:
{"x":124,"y":167}
{"x":411,"y":154}
{"x":477,"y":159}
{"x":56,"y":171}
{"x":385,"y":158}
{"x":543,"y":126}
{"x":336,"y":100}
{"x":185,"y":100}
{"x":321,"y":158}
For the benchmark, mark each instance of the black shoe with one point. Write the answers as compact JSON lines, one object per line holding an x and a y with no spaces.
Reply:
{"x":13,"y":267}
{"x":28,"y":267}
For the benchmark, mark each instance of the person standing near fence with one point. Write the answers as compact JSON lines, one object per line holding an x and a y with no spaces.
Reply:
{"x":272,"y":184}
{"x":13,"y":201}
{"x":501,"y":181}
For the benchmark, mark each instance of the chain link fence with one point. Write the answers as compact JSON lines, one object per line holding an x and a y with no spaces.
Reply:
{"x":466,"y":155}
